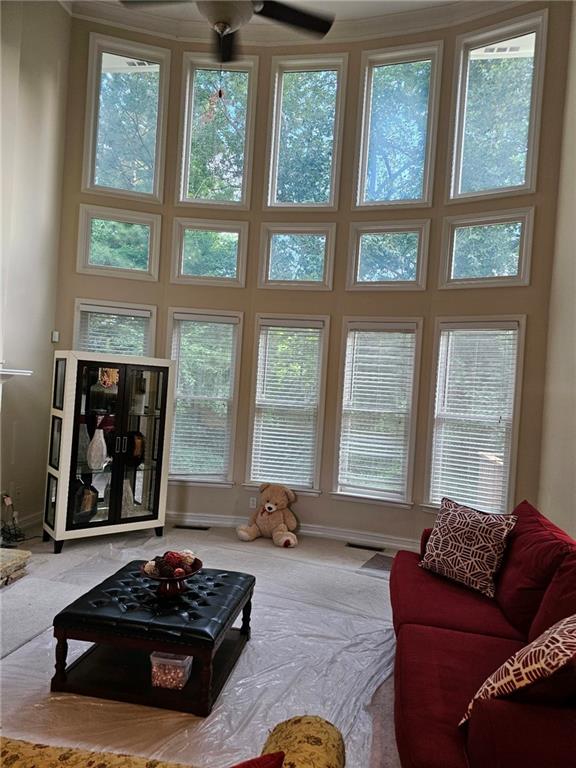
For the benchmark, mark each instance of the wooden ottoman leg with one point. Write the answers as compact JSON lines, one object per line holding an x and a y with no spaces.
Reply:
{"x":246,"y":611}
{"x":205,"y":686}
{"x":59,"y":678}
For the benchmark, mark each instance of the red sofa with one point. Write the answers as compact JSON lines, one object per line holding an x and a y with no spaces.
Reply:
{"x":450,"y":638}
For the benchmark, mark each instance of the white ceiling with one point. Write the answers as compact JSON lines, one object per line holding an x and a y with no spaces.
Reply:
{"x":354,"y":19}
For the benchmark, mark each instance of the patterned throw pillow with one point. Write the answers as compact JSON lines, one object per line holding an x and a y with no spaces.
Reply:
{"x":538,"y":660}
{"x":467,"y":545}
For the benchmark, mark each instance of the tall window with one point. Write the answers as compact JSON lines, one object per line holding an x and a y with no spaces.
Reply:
{"x":217,"y":144}
{"x":498,"y":101}
{"x":126,"y":329}
{"x":287,"y":409}
{"x":127,"y":85}
{"x":400,"y":110}
{"x":474,"y":413}
{"x":206,"y":348}
{"x":378,"y":403}
{"x":306,"y":128}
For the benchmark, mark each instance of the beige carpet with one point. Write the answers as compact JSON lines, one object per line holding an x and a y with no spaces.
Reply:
{"x":322,"y":644}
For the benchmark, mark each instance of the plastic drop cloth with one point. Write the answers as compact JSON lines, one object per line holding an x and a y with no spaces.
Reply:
{"x":322,"y":643}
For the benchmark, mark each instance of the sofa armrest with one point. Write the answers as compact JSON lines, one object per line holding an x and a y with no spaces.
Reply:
{"x":507,"y":734}
{"x":424,"y":540}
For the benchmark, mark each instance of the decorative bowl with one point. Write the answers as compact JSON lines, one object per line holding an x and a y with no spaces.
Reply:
{"x":172,"y":586}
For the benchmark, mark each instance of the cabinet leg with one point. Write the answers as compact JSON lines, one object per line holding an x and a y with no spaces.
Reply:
{"x":159,"y":531}
{"x":45,"y":535}
{"x":58,"y":546}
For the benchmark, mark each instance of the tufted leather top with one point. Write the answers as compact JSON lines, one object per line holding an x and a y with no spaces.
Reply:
{"x":126,"y":604}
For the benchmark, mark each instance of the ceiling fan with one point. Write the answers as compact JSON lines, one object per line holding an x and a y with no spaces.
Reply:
{"x":226,"y":18}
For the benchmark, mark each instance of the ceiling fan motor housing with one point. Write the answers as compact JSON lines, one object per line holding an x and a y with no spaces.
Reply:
{"x":226,"y":17}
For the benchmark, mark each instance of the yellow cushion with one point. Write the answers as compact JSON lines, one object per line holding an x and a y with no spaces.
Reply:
{"x":25,"y":754}
{"x":308,"y":742}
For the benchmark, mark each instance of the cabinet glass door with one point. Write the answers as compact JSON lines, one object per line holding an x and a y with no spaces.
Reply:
{"x":143,"y":428}
{"x":96,"y":445}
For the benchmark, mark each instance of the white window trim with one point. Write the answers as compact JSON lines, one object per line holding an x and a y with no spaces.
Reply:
{"x":534,"y":22}
{"x":116,"y":308}
{"x":181,"y":225}
{"x":496,"y":322}
{"x":268,"y":230}
{"x":151,"y":220}
{"x":350,"y":322}
{"x":399,"y":55}
{"x":523,"y":215}
{"x":357,"y":229}
{"x":211,"y":316}
{"x":98,"y":45}
{"x":292,"y":321}
{"x":191,"y":62}
{"x":280,"y":65}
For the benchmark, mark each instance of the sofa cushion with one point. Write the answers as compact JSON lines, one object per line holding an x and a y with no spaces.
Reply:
{"x":521,"y":736}
{"x":422,"y":597}
{"x":559,"y":599}
{"x":467,"y":545}
{"x":436,"y":670}
{"x":536,"y":661}
{"x":536,"y":547}
{"x":308,"y":741}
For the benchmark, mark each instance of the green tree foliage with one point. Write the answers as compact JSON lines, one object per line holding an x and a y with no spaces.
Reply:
{"x":218,"y":134}
{"x":297,"y":257}
{"x":498,"y":99}
{"x":397,"y":134}
{"x":388,"y":256}
{"x":489,"y":250}
{"x":306,"y":140}
{"x":119,"y":244}
{"x":208,"y":253}
{"x":127,"y":126}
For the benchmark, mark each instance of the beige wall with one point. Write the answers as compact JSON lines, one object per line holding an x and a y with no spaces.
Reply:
{"x":35,"y":39}
{"x":383,"y":519}
{"x":558,"y":470}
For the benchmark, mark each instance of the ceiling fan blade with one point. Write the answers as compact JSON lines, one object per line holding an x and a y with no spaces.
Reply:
{"x":225,"y":46}
{"x":286,"y":14}
{"x":151,"y":3}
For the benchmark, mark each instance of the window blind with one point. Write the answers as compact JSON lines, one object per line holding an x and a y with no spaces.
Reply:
{"x":288,"y":385}
{"x":122,"y":332}
{"x":473,"y":416}
{"x":205,"y":349}
{"x":376,"y":412}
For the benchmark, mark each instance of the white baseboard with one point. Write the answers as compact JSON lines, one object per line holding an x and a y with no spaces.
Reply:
{"x":348,"y":535}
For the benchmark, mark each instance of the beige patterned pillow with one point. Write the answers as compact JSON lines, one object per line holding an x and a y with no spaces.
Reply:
{"x":536,"y":661}
{"x":467,"y":545}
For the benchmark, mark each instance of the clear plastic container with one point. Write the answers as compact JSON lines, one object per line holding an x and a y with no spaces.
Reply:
{"x":170,"y":670}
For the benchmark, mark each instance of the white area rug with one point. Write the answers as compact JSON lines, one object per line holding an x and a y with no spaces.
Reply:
{"x":322,"y":643}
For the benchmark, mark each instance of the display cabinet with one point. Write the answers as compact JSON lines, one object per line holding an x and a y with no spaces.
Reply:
{"x":108,"y":453}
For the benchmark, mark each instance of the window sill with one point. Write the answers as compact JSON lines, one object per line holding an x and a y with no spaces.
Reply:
{"x":431,"y":509}
{"x":372,"y":500}
{"x":299,"y":491}
{"x":178,"y":480}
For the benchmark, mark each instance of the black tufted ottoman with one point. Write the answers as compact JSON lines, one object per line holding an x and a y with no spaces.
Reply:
{"x":126,"y":622}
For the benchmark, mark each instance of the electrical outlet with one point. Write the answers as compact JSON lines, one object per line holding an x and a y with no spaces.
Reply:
{"x":253,"y":502}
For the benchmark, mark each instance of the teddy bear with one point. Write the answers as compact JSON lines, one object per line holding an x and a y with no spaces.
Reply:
{"x":273,"y":519}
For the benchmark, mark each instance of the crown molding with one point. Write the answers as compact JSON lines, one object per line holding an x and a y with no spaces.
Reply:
{"x":263,"y":33}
